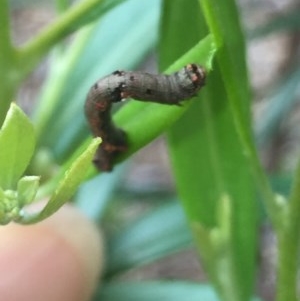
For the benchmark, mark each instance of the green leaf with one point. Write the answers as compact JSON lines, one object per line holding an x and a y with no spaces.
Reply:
{"x":94,"y":195}
{"x":68,"y":184}
{"x":208,"y":160}
{"x":9,"y":207}
{"x":27,"y":189}
{"x":78,"y":15}
{"x":279,"y":105}
{"x":17,"y":142}
{"x":160,"y":233}
{"x":93,"y":14}
{"x":8,"y":75}
{"x":223,"y":21}
{"x":156,"y":290}
{"x":174,"y":43}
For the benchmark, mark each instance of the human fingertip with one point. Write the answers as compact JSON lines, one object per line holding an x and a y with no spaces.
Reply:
{"x":58,"y":259}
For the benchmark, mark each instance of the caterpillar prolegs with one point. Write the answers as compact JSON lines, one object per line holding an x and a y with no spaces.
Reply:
{"x":165,"y":89}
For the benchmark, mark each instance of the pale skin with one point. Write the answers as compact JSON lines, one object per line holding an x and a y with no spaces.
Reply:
{"x":58,"y":259}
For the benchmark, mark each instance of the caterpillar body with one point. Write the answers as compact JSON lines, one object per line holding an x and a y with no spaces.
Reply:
{"x":165,"y":89}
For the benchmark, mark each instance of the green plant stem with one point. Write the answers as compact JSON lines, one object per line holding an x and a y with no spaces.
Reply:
{"x":8,"y":76}
{"x":48,"y":102}
{"x":35,"y":49}
{"x":261,"y":180}
{"x":288,"y":245}
{"x":62,"y":5}
{"x":5,"y":42}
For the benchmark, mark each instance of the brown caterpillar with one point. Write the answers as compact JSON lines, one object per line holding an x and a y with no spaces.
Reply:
{"x":165,"y":89}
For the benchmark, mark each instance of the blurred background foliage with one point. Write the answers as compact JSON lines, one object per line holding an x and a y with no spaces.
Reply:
{"x":146,"y":230}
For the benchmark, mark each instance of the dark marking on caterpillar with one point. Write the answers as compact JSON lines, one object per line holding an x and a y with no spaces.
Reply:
{"x":165,"y":89}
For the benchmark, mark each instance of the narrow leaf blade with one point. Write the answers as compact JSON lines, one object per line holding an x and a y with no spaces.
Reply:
{"x":17,"y":143}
